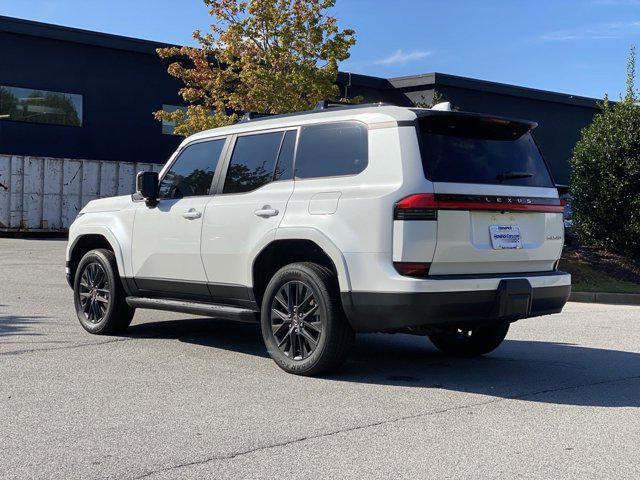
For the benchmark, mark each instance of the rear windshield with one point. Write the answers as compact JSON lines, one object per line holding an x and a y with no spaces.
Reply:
{"x":480,"y":150}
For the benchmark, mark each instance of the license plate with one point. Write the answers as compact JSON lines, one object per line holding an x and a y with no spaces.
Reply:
{"x":505,"y":237}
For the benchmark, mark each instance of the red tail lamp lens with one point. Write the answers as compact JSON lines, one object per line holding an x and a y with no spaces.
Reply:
{"x":421,"y":206}
{"x":419,"y":200}
{"x":412,"y":269}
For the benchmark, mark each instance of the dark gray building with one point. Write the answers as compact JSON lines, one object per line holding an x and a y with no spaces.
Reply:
{"x":73,"y":93}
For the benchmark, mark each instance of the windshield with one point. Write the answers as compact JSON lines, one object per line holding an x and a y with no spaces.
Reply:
{"x":470,"y":149}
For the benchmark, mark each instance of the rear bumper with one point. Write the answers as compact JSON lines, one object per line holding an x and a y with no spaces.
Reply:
{"x":372,"y":311}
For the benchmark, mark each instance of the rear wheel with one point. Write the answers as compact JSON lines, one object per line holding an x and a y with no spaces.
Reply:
{"x":303,"y":325}
{"x":469,"y":342}
{"x":98,"y":294}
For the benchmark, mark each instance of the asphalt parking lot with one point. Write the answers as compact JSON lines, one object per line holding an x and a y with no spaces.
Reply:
{"x":187,"y":397}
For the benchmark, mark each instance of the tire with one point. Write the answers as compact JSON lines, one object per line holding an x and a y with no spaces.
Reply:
{"x":98,"y":294}
{"x":469,"y":342}
{"x":314,"y":295}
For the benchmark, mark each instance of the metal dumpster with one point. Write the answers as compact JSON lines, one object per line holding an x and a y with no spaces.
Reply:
{"x":42,"y":194}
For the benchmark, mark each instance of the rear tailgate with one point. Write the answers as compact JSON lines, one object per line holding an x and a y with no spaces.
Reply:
{"x":497,"y":208}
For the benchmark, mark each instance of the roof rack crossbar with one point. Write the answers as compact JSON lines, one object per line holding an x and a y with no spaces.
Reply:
{"x":248,"y":116}
{"x":324,"y":104}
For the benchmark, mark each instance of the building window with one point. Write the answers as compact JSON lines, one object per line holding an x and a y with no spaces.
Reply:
{"x":168,"y":126}
{"x":40,"y":106}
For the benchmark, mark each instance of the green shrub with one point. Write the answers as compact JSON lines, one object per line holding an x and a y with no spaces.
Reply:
{"x":605,"y":175}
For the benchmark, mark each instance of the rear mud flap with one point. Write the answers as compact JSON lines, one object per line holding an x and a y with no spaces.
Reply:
{"x":513,"y":299}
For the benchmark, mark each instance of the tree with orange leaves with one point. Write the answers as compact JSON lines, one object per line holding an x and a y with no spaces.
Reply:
{"x":269,"y":56}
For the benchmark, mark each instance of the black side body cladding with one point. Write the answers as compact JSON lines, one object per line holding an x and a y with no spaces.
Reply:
{"x":212,"y":293}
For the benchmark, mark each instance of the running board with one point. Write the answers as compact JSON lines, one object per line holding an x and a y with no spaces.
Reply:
{"x":197,"y":308}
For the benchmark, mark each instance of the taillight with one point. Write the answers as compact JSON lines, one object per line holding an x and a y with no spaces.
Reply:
{"x":412,"y":269}
{"x":425,"y":206}
{"x":421,"y":206}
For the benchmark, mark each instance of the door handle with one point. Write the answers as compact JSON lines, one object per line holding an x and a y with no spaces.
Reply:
{"x":266,"y":212}
{"x":192,"y":214}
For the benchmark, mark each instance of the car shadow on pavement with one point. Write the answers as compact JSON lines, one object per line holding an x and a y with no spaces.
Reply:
{"x":538,"y":371}
{"x":18,"y":325}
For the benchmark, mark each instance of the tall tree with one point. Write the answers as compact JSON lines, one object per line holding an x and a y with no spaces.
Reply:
{"x":605,"y":174}
{"x":269,"y":56}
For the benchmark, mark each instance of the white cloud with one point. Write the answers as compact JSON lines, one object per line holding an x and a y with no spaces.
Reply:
{"x":399,"y":57}
{"x":594,"y":32}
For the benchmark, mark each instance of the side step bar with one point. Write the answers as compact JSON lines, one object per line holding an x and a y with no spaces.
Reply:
{"x":197,"y":308}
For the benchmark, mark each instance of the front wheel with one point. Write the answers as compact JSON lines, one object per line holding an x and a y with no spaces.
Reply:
{"x":469,"y":342}
{"x":98,"y":294}
{"x":303,"y":325}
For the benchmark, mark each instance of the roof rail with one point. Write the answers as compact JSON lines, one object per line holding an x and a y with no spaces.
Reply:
{"x":248,"y":116}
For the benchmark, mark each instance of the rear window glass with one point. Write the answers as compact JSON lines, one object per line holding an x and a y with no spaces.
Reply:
{"x":481,"y":150}
{"x":332,"y":149}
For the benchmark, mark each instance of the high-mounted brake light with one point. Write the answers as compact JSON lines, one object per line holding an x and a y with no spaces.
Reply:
{"x":497,"y":121}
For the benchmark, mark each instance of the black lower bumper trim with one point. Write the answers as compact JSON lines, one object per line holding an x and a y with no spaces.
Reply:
{"x":375,"y":312}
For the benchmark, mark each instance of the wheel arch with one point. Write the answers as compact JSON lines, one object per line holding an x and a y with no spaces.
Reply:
{"x":296,"y":245}
{"x":88,"y":240}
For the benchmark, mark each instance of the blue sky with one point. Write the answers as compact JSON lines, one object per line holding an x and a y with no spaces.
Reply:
{"x":571,"y":46}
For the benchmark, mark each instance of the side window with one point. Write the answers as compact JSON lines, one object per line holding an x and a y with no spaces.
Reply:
{"x":192,"y":172}
{"x":332,"y":149}
{"x":252,"y":162}
{"x":284,"y":168}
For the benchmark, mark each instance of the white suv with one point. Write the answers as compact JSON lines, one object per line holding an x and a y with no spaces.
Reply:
{"x":368,"y":218}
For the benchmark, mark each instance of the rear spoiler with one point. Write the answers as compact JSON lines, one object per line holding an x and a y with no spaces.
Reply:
{"x":528,"y":124}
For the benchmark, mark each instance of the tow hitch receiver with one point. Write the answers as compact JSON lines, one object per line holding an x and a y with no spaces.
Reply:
{"x":513,"y":299}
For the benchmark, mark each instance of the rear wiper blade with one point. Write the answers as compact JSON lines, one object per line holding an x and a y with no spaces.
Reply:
{"x":501,"y":177}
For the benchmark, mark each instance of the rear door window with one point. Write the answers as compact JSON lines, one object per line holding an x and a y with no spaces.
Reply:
{"x":332,"y":149}
{"x":253,"y":162}
{"x":472,"y":149}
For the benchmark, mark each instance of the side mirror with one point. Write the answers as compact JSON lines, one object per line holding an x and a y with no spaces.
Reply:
{"x":148,"y":187}
{"x":562,"y":189}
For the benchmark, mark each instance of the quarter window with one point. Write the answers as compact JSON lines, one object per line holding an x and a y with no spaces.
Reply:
{"x":284,"y":168}
{"x":253,"y":162}
{"x":192,"y":172}
{"x":40,"y":106}
{"x":332,"y":149}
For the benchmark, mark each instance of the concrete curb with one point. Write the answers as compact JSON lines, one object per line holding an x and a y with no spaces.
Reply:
{"x":602,"y":297}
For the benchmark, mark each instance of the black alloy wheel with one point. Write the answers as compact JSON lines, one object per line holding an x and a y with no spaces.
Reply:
{"x":95,"y":292}
{"x":295,"y":320}
{"x":99,"y":297}
{"x":302,"y":321}
{"x":465,"y":341}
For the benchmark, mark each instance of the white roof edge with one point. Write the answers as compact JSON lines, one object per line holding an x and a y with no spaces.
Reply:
{"x":367,"y":115}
